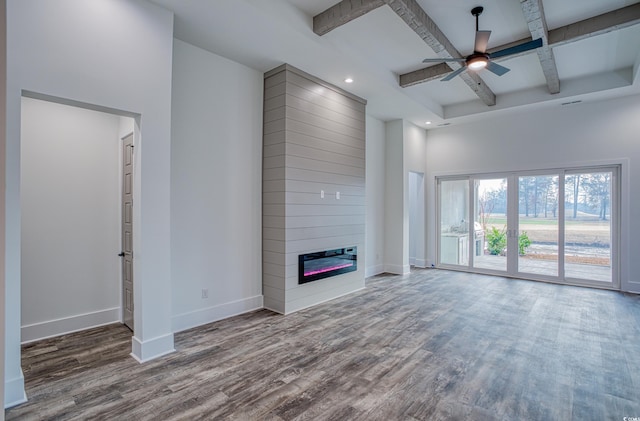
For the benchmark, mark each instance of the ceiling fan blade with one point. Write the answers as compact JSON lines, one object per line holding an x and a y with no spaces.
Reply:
{"x":482,"y":39}
{"x":531,"y":45}
{"x":497,"y":69}
{"x":441,"y":60}
{"x":453,"y":74}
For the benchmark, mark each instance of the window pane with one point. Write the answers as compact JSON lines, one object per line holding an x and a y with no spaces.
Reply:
{"x":454,"y":222}
{"x":588,"y":226}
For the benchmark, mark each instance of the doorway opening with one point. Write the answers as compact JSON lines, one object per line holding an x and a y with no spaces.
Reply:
{"x":70,"y":193}
{"x":416,"y":220}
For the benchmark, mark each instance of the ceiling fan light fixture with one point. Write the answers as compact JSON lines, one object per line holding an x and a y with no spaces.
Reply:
{"x":477,"y":63}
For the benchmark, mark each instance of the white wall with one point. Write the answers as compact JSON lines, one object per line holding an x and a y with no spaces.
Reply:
{"x":3,"y":139}
{"x":396,"y":246}
{"x":115,"y":54}
{"x":584,"y":134}
{"x":216,"y":185}
{"x":374,"y":190}
{"x":126,"y":126}
{"x":70,"y":205}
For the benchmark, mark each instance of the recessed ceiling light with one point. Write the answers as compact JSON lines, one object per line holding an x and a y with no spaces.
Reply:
{"x":348,"y":80}
{"x":427,"y":122}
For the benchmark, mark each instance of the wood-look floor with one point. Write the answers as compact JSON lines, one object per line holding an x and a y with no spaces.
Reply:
{"x":434,"y":345}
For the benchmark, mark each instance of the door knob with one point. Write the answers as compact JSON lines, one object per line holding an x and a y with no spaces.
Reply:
{"x":121,"y":254}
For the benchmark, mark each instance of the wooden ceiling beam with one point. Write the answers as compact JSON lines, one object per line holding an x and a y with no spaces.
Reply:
{"x":342,"y":13}
{"x":597,"y":25}
{"x":534,"y":15}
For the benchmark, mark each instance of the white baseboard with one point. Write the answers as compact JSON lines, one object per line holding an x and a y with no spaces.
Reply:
{"x":211,"y":314}
{"x":412,"y":261}
{"x":14,"y":393}
{"x":51,"y":328}
{"x":420,"y":263}
{"x":398,"y":269}
{"x":373,"y":270}
{"x":151,"y":349}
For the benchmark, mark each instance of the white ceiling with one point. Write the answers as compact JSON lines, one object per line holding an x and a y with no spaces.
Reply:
{"x":375,"y":48}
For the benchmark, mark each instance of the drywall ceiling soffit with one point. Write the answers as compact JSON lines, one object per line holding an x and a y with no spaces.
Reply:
{"x":418,"y":20}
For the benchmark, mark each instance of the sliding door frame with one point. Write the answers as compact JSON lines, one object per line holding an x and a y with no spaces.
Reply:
{"x":617,"y":170}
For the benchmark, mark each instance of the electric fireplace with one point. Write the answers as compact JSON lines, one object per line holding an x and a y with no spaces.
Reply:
{"x":323,"y":264}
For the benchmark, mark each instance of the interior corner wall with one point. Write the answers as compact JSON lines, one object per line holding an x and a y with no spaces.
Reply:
{"x":405,"y":152}
{"x":70,"y":206}
{"x":415,"y":161}
{"x":375,"y":199}
{"x":314,"y":141}
{"x":114,"y":55}
{"x":590,"y":133}
{"x":216,"y":199}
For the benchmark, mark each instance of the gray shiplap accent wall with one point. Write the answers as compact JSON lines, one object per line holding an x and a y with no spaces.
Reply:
{"x":314,"y":139}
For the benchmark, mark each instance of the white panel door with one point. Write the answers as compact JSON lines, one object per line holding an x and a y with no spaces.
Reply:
{"x":127,"y":231}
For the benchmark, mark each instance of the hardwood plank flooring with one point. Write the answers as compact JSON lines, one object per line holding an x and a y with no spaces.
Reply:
{"x":434,"y":345}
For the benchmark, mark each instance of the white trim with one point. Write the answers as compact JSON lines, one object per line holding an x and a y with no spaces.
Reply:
{"x":397,"y":269}
{"x":57,"y":327}
{"x":218,"y":312}
{"x":14,"y":393}
{"x":421,"y":263}
{"x":152,"y":348}
{"x":373,"y":270}
{"x":531,"y":168}
{"x":321,"y":301}
{"x":412,"y":261}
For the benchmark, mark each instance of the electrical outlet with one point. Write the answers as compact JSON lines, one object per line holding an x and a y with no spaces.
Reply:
{"x":337,"y":195}
{"x":205,"y":293}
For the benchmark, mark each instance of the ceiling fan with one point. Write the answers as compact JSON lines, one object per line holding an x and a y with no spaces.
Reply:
{"x":480,"y":59}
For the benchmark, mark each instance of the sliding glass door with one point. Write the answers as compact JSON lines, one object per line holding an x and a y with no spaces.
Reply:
{"x":454,"y":222}
{"x":538,"y":228}
{"x":549,"y":225}
{"x":588,"y":225}
{"x":490,"y":225}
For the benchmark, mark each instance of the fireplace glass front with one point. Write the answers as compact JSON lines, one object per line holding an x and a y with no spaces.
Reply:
{"x":323,"y":264}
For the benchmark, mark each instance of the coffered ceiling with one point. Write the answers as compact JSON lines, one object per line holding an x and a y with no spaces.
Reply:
{"x":591,"y":49}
